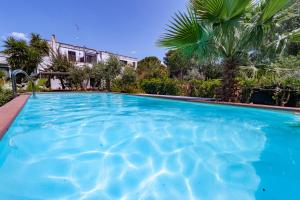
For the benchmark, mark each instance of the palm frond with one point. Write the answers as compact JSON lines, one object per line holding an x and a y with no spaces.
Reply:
{"x":207,"y":9}
{"x":272,"y":7}
{"x":183,"y":30}
{"x":219,"y":10}
{"x":187,"y":34}
{"x":234,"y":8}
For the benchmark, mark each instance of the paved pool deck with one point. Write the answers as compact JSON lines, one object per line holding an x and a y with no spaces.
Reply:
{"x":9,"y":112}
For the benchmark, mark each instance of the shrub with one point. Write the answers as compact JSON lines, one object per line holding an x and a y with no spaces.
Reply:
{"x":163,"y":86}
{"x":39,"y":86}
{"x":5,"y":96}
{"x":204,"y":88}
{"x":78,"y":76}
{"x":116,"y":85}
{"x":2,"y":78}
{"x":129,"y":82}
{"x":129,"y":76}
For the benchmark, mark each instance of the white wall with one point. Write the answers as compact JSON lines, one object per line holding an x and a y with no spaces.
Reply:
{"x":102,"y":56}
{"x":55,"y":84}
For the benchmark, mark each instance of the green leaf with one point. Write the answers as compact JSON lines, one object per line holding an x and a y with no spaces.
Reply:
{"x":219,"y":10}
{"x":272,"y":7}
{"x":184,"y":30}
{"x":294,"y":36}
{"x":234,"y":8}
{"x":187,"y":34}
{"x":207,"y":9}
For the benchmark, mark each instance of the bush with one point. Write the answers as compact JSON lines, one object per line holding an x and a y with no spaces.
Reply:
{"x":116,"y":85}
{"x":2,"y":78}
{"x":204,"y":88}
{"x":5,"y":96}
{"x":78,"y":75}
{"x":119,"y":86}
{"x":39,"y":86}
{"x":129,"y":76}
{"x":163,"y":86}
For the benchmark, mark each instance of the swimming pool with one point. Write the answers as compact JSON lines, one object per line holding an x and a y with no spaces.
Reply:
{"x":113,"y":146}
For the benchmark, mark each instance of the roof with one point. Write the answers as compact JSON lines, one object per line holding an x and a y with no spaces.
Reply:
{"x":97,"y":51}
{"x":55,"y":73}
{"x":3,"y":59}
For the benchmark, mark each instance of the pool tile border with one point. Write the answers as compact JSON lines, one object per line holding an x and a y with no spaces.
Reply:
{"x":211,"y":101}
{"x":9,"y":112}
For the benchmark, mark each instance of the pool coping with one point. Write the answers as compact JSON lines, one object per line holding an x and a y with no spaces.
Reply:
{"x":213,"y":101}
{"x":9,"y":111}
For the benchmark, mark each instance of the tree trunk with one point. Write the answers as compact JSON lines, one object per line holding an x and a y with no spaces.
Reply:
{"x":62,"y":83}
{"x":181,"y":74}
{"x":229,"y":83}
{"x":108,"y":85}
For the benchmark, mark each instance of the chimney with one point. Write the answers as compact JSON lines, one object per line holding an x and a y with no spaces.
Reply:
{"x":53,"y":38}
{"x":53,"y":44}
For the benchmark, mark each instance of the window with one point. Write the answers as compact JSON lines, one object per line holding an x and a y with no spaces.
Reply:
{"x":72,"y":56}
{"x":123,"y":62}
{"x":81,"y":59}
{"x":134,"y":64}
{"x":91,"y":58}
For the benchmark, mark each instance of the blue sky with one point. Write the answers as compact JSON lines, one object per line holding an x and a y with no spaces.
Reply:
{"x":129,"y":27}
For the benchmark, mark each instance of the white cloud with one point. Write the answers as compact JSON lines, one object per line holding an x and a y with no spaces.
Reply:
{"x":133,"y":52}
{"x":20,"y":36}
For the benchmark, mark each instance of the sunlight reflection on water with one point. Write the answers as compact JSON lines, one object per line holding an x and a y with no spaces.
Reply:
{"x":103,"y":146}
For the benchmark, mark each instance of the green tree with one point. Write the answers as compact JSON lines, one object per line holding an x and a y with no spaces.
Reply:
{"x":98,"y":74}
{"x":23,"y":55}
{"x":112,"y":70}
{"x":178,"y":66}
{"x":17,"y":50}
{"x":79,"y":76}
{"x":151,"y":67}
{"x":129,"y":79}
{"x":227,"y":30}
{"x":39,"y":45}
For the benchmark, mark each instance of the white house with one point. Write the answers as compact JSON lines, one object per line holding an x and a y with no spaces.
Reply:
{"x":4,"y":65}
{"x":80,"y":55}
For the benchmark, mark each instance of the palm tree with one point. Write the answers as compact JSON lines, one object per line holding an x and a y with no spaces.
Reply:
{"x":17,"y":51}
{"x":25,"y":56}
{"x":38,"y":44}
{"x":227,"y":30}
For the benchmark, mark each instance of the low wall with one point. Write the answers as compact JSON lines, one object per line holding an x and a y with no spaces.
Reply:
{"x":212,"y":101}
{"x":9,"y":112}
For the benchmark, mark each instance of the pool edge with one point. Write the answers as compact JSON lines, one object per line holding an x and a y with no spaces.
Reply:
{"x":9,"y":112}
{"x":207,"y":101}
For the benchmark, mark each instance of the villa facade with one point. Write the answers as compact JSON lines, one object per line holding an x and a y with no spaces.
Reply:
{"x":80,"y":55}
{"x":4,"y":65}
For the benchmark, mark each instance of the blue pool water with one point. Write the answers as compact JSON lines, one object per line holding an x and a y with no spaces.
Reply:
{"x":109,"y":146}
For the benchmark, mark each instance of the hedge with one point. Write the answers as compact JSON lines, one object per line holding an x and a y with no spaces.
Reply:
{"x":164,"y":86}
{"x":204,"y":88}
{"x":5,"y":96}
